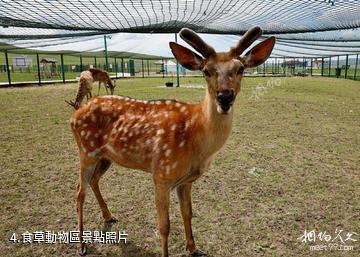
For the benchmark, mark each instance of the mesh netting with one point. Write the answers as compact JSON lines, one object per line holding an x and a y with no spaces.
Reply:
{"x":89,"y":17}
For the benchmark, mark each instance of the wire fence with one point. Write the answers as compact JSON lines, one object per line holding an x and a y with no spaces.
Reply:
{"x":41,"y":68}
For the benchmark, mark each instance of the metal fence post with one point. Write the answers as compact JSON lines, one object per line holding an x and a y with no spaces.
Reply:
{"x":304,"y":64}
{"x":116,"y":68}
{"x":81,"y":64}
{"x":329,"y":66}
{"x":38,"y":68}
{"x":284,"y":66}
{"x":7,"y":67}
{"x":311,"y":66}
{"x":337,"y":66}
{"x":356,"y":64}
{"x":346,"y":65}
{"x":142,"y":67}
{"x":322,"y":66}
{"x":264,"y":67}
{"x":122,"y":67}
{"x":95,"y":62}
{"x":62,"y":67}
{"x":148,"y":67}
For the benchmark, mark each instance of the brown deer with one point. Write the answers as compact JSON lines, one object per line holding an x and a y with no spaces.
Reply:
{"x":87,"y":78}
{"x":173,"y":141}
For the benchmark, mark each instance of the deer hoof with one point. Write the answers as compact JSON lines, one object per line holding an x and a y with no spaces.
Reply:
{"x":111,"y":220}
{"x":82,"y":250}
{"x":198,"y":253}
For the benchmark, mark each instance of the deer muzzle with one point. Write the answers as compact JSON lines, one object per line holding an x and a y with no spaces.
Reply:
{"x":225,"y":99}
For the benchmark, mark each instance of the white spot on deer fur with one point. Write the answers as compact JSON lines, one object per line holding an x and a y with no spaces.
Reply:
{"x":93,"y":118}
{"x":183,"y":108}
{"x":88,"y":134}
{"x":96,"y":100}
{"x":167,"y":170}
{"x":130,"y":134}
{"x":92,"y":144}
{"x":182,"y":143}
{"x":167,"y":152}
{"x":105,"y":137}
{"x":79,"y":121}
{"x":96,"y":135}
{"x":168,"y":102}
{"x":160,"y":132}
{"x":173,"y":127}
{"x":146,"y":102}
{"x":158,"y":102}
{"x":148,"y":141}
{"x":174,"y":165}
{"x":82,"y":133}
{"x":110,"y":149}
{"x":124,"y":139}
{"x":178,"y":104}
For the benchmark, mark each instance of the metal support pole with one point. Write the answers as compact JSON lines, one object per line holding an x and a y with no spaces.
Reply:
{"x":122,"y":67}
{"x":81,"y":64}
{"x":106,"y":54}
{"x":7,"y":67}
{"x":346,"y":65}
{"x":62,"y":68}
{"x":142,"y":68}
{"x":311,"y":66}
{"x":272,"y":67}
{"x":322,"y":66}
{"x":38,"y":68}
{"x":116,"y":68}
{"x":95,"y":62}
{"x":337,"y":66}
{"x":177,"y":67}
{"x":356,"y":64}
{"x":329,"y":66}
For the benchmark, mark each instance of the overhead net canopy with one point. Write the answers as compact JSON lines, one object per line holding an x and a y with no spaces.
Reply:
{"x":309,"y":25}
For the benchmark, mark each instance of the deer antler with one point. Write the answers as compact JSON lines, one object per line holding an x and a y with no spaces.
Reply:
{"x":196,"y":42}
{"x":246,"y":40}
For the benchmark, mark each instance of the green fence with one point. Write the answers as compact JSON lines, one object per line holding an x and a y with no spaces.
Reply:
{"x":41,"y":68}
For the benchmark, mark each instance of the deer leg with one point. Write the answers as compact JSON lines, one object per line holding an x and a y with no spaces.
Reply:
{"x":86,"y":172}
{"x":102,"y":166}
{"x":99,"y":88}
{"x":162,"y":198}
{"x":184,"y":195}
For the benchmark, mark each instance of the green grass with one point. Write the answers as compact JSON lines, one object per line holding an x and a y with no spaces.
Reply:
{"x":291,"y":163}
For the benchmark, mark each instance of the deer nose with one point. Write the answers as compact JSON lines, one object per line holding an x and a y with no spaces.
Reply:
{"x":225,"y":97}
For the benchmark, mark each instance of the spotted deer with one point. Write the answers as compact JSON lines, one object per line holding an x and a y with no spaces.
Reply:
{"x":86,"y":80}
{"x":172,"y":140}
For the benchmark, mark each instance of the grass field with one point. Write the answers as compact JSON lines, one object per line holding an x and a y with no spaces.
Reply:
{"x":291,"y":164}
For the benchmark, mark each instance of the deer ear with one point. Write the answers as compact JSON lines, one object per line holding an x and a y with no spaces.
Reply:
{"x":259,"y":53}
{"x":186,"y":57}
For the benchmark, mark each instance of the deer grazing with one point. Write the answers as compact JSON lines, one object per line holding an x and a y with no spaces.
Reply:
{"x":173,"y":141}
{"x":87,"y":78}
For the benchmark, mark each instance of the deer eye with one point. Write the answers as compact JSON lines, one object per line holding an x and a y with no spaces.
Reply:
{"x":206,"y":73}
{"x":240,"y":70}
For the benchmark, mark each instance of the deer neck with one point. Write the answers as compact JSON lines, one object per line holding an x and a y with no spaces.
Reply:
{"x":217,"y":127}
